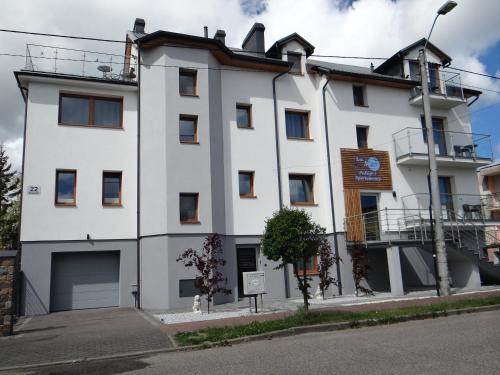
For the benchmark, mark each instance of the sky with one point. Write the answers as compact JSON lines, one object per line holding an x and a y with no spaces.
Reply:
{"x":470,"y":34}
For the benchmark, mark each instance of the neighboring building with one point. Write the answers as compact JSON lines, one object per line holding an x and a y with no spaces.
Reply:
{"x":211,"y":138}
{"x":489,"y":183}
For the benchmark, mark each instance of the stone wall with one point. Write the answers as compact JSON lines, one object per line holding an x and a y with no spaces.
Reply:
{"x":7,"y":272}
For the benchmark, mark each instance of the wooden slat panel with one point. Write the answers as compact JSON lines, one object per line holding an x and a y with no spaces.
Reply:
{"x":354,"y":219}
{"x":366,"y":169}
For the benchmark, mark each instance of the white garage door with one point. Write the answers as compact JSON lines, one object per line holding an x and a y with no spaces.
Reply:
{"x":84,"y":280}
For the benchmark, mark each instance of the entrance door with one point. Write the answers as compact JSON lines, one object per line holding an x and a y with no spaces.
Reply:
{"x":446,"y":197}
{"x":439,"y":135}
{"x":369,"y":209}
{"x":247,"y":262}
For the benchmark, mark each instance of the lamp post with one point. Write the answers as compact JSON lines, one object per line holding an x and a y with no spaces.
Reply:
{"x":435,"y":199}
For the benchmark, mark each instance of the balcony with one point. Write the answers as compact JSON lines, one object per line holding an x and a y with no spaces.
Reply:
{"x":453,"y":149}
{"x":80,"y":63}
{"x":464,"y":207}
{"x":445,"y":90}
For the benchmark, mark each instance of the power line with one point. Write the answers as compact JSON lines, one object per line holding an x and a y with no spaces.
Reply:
{"x":62,"y":36}
{"x":468,"y":71}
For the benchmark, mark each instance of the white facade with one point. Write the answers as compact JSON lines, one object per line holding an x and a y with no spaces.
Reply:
{"x":210,"y":166}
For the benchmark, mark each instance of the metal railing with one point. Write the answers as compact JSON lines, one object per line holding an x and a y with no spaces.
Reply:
{"x":456,"y":145}
{"x":84,"y":63}
{"x":470,"y":207}
{"x":441,"y":82}
{"x":414,"y":225}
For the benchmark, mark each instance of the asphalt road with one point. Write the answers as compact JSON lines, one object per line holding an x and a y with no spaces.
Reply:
{"x":467,"y":344}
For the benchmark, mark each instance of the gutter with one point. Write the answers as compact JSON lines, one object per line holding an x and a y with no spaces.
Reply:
{"x":278,"y":163}
{"x":138,"y":261}
{"x":327,"y":140}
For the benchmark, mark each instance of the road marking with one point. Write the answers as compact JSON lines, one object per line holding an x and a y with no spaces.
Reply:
{"x":148,"y":318}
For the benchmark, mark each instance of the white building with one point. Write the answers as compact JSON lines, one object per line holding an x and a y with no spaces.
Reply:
{"x":129,"y":171}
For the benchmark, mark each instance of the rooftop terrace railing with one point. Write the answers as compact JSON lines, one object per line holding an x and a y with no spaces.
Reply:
{"x":84,"y":63}
{"x":441,"y":82}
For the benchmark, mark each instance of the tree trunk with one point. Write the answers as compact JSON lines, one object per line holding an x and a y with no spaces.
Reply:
{"x":304,"y":285}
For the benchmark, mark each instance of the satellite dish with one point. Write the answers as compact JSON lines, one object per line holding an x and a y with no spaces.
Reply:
{"x":104,"y":68}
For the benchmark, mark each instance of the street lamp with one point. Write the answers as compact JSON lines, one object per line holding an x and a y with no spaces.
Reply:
{"x":435,"y":199}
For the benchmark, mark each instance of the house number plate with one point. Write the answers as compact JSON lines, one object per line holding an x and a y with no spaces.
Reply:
{"x":34,"y":189}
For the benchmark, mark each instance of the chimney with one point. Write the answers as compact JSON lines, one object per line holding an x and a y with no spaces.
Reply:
{"x":205,"y":31}
{"x":139,"y":25}
{"x":254,"y":41}
{"x":220,"y":35}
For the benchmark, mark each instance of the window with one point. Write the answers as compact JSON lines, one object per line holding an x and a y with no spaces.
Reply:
{"x":188,"y":129}
{"x":187,"y":82}
{"x":297,"y":124}
{"x":243,"y":115}
{"x":112,"y":188}
{"x":187,"y":288}
{"x":301,"y":189}
{"x":90,"y":111}
{"x":359,"y":95}
{"x":188,"y":207}
{"x":246,"y":184}
{"x":66,"y":187}
{"x":311,"y":266}
{"x":296,"y":60}
{"x":362,"y":136}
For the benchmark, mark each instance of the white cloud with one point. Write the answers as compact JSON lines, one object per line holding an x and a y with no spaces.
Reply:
{"x":15,"y":152}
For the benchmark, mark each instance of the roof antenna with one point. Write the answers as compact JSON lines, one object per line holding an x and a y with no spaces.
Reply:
{"x":205,"y":31}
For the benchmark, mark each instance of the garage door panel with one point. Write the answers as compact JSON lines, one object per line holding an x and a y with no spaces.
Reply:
{"x":85,"y":280}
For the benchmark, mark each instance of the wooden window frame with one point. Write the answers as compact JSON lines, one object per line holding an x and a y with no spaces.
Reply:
{"x":91,"y":114}
{"x":364,"y":96}
{"x":248,"y":108}
{"x":189,"y":118}
{"x":299,"y":55}
{"x":65,"y":204}
{"x":192,"y":72}
{"x":119,"y":204}
{"x":312,"y":272}
{"x":367,"y":128}
{"x":197,"y":219}
{"x":252,"y":179}
{"x":308,"y":125}
{"x":311,"y":202}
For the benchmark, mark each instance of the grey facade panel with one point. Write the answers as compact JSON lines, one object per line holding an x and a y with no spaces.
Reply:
{"x":36,"y":265}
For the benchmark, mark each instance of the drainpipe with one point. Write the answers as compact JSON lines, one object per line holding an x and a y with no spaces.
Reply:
{"x":335,"y":244}
{"x":280,"y":195}
{"x":138,"y":261}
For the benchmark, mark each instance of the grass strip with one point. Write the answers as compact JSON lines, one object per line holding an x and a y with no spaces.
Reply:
{"x":299,"y":319}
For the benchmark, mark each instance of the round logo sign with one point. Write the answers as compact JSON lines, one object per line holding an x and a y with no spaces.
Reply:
{"x":373,"y":163}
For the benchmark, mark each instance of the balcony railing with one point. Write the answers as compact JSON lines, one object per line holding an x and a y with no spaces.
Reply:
{"x":411,"y":143}
{"x":447,"y":84}
{"x":469,"y":207}
{"x":83,"y":63}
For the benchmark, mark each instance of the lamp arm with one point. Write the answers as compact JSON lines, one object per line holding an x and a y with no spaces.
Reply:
{"x":430,"y":32}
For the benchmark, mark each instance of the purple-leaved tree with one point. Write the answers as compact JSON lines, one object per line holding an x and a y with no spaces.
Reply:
{"x":326,"y":261}
{"x":207,"y":263}
{"x":360,"y":268}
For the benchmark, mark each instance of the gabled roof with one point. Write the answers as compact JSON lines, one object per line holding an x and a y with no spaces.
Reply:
{"x":275,"y":50}
{"x":222,"y":53}
{"x":445,"y":59}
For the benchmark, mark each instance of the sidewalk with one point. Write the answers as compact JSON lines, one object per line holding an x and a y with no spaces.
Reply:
{"x":381,"y":301}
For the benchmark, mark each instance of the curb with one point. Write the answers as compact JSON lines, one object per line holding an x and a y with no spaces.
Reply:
{"x":326,"y":327}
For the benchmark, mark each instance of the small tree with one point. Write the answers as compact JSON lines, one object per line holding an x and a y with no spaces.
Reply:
{"x":290,"y":237}
{"x":207,"y":262}
{"x":9,"y":203}
{"x":326,"y":261}
{"x":360,"y":269}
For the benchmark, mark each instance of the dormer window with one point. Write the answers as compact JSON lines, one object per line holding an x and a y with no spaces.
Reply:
{"x":296,"y":59}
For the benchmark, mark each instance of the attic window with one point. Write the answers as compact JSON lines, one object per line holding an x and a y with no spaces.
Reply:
{"x":296,"y":60}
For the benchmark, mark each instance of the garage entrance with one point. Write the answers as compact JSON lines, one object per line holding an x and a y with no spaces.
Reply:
{"x":85,"y":280}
